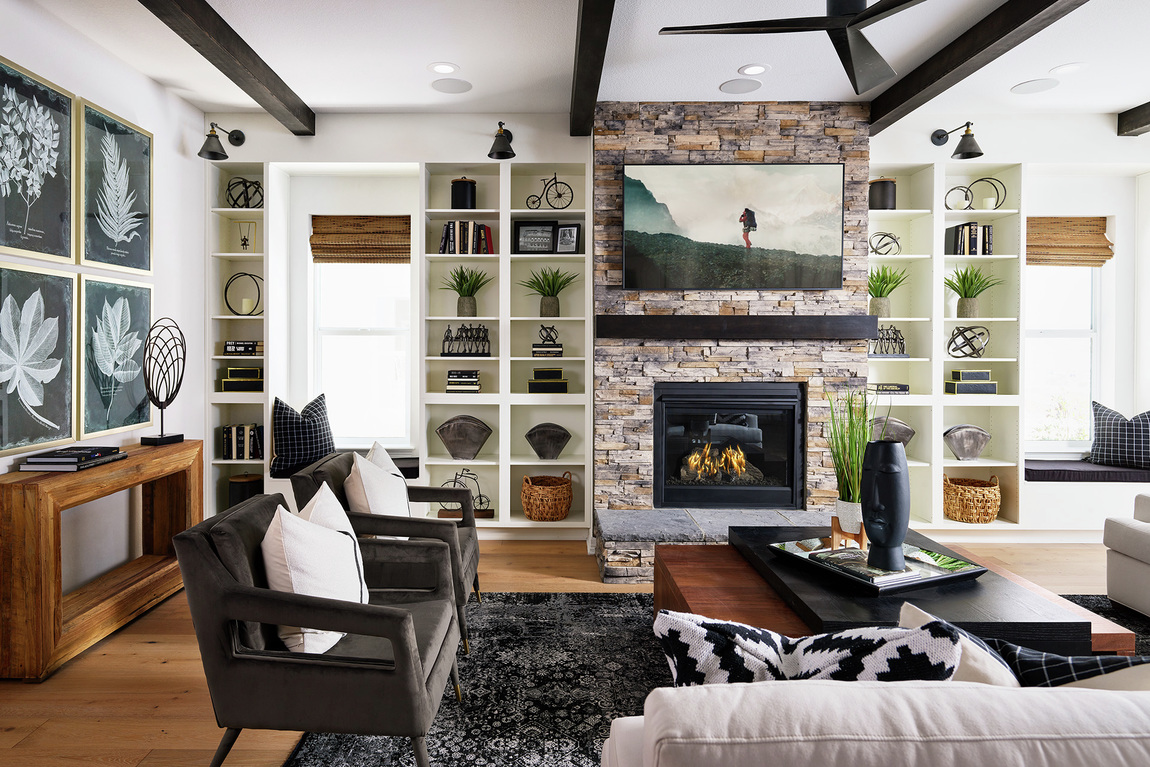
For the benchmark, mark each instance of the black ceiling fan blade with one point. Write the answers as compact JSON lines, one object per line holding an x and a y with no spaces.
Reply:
{"x":864,"y":66}
{"x":767,"y":26}
{"x":881,"y":10}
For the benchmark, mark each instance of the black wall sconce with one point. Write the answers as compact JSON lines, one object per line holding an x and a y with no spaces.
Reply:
{"x":501,"y":149}
{"x":213,"y":149}
{"x":967,"y":148}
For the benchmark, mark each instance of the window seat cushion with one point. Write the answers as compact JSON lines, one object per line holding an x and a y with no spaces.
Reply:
{"x":1081,"y":471}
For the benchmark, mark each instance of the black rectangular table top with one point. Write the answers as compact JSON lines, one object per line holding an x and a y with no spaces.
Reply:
{"x":991,"y":606}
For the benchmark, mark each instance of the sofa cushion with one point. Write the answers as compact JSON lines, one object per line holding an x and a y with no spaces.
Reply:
{"x":299,"y":438}
{"x":1042,"y":669}
{"x":372,"y":489}
{"x":1128,"y":536}
{"x":978,"y":664}
{"x":705,"y":651}
{"x":1120,"y":441}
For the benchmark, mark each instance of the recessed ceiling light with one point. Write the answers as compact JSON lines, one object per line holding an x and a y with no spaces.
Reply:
{"x":754,"y":69}
{"x":1067,"y":68}
{"x":451,"y":85}
{"x":740,"y":86}
{"x":442,"y":67}
{"x":1035,"y":86}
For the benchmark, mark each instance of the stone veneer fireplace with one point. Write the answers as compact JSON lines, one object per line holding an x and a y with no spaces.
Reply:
{"x":628,"y":368}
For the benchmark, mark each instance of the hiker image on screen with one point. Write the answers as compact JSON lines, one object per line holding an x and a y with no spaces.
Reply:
{"x":748,"y":222}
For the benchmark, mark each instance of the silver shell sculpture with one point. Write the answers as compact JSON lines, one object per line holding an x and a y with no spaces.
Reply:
{"x":463,"y":436}
{"x":966,"y":441}
{"x":548,"y":440}
{"x":890,"y":428}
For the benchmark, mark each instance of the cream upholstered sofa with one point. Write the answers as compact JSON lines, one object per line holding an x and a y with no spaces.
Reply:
{"x":1128,"y":557}
{"x":881,"y":724}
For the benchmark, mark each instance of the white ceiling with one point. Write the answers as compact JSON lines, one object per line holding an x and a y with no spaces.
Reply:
{"x":372,"y":55}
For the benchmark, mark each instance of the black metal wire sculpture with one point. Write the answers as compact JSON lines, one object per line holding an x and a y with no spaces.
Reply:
{"x":889,"y":343}
{"x":245,"y":193}
{"x":968,"y":341}
{"x":164,"y":354}
{"x":885,"y":244}
{"x":968,"y":194}
{"x":256,"y":307}
{"x":467,"y":341}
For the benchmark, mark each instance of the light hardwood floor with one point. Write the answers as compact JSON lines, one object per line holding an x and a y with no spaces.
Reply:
{"x":138,"y":698}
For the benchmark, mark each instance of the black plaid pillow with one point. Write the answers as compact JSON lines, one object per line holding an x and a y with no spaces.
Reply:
{"x":299,"y":439}
{"x":1042,"y":669}
{"x":1119,"y":441}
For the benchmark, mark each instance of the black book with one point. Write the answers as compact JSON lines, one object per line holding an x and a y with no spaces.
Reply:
{"x":443,"y":239}
{"x":451,"y":237}
{"x":73,"y":466}
{"x":78,"y":454}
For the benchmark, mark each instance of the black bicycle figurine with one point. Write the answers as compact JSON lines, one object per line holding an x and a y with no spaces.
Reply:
{"x":557,"y":193}
{"x":470,"y":480}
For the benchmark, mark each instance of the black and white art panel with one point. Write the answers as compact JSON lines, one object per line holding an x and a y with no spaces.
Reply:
{"x":117,"y":192}
{"x":117,"y":316}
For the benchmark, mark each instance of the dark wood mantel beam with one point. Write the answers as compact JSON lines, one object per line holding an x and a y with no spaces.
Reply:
{"x":207,"y":32}
{"x":590,"y":52}
{"x":1134,"y":122}
{"x":1004,"y":28}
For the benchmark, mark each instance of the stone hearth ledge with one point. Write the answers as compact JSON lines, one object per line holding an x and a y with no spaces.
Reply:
{"x":625,"y":539}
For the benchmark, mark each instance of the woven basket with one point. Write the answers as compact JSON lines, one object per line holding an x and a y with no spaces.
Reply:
{"x":546,"y":499}
{"x":971,"y":500}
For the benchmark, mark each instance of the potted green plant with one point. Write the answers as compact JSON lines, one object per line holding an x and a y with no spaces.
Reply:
{"x":969,"y":283}
{"x":881,"y":282}
{"x":848,"y":431}
{"x":548,"y":284}
{"x":466,"y":282}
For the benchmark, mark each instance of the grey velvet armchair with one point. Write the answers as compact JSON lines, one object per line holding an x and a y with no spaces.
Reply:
{"x":459,"y":535}
{"x":385,"y":677}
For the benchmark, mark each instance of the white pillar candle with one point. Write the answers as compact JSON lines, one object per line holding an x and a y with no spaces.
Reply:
{"x":247,"y":305}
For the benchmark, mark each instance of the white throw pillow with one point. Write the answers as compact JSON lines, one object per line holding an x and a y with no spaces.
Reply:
{"x":302,"y":557}
{"x":372,"y":490}
{"x":379,"y":456}
{"x":977,"y":664}
{"x":324,"y":509}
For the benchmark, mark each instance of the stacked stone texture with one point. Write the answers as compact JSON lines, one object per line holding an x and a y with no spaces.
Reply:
{"x":626,"y":370}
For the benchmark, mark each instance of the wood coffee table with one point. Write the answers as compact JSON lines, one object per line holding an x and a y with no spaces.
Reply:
{"x":716,"y":581}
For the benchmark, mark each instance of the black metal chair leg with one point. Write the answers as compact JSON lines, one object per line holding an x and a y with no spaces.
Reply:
{"x":225,"y":746}
{"x":478,"y":593}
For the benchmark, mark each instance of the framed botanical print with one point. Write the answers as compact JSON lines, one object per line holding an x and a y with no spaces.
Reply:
{"x":116,"y":192}
{"x":36,"y":190}
{"x":116,"y":318}
{"x":37,"y":358}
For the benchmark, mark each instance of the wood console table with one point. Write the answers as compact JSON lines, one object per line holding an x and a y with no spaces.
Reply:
{"x":40,"y":627}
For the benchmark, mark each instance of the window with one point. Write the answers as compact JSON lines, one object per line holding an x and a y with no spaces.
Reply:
{"x":363,"y":351}
{"x":1061,"y":356}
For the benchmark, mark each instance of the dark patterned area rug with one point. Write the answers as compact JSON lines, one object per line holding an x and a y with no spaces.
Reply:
{"x":1100,"y":604}
{"x":546,"y":675}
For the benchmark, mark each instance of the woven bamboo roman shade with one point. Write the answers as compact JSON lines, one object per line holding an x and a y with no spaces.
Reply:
{"x":1078,"y":241}
{"x":361,"y":239}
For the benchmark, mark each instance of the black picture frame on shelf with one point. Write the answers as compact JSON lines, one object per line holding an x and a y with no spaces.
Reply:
{"x":568,"y":238}
{"x":535,"y":236}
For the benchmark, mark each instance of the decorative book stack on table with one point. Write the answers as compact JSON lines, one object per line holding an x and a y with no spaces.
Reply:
{"x":72,"y":458}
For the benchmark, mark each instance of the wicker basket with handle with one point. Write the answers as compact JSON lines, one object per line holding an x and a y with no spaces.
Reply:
{"x":546,"y":498}
{"x":971,"y":500}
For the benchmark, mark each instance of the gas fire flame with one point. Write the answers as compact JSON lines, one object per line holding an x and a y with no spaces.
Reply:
{"x":732,"y":461}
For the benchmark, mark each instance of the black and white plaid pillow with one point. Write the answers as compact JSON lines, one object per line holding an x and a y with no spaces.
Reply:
{"x":1119,"y":441}
{"x":704,"y":651}
{"x":299,"y":439}
{"x":1043,"y":669}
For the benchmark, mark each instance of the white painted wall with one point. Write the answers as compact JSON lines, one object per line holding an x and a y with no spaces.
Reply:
{"x":100,"y":536}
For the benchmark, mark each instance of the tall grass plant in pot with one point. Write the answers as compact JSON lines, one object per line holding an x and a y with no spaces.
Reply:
{"x":548,"y":284}
{"x":881,"y":282}
{"x":848,"y":431}
{"x":466,"y":282}
{"x":969,"y":283}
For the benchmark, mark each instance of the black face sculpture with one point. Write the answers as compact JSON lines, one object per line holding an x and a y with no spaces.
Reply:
{"x":885,"y":503}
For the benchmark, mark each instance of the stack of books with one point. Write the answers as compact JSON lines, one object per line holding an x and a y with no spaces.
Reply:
{"x":546,"y":350}
{"x":889,"y":388}
{"x":243,"y":442}
{"x":547,"y":381}
{"x":72,"y":458}
{"x":969,"y":239}
{"x":244,"y":348}
{"x":243,"y":379}
{"x":970,"y":382}
{"x":466,"y":237}
{"x":463,"y":382}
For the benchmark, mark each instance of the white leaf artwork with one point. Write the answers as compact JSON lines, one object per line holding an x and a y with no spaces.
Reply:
{"x":113,"y":348}
{"x":29,"y":148}
{"x":26,"y":340}
{"x":115,"y":198}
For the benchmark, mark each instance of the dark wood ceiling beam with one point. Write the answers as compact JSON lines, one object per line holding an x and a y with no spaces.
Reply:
{"x":1004,"y":28}
{"x":590,"y":52}
{"x":1134,"y":122}
{"x":207,"y":32}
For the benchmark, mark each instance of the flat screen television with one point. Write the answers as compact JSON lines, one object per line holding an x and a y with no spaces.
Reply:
{"x":733,"y":227}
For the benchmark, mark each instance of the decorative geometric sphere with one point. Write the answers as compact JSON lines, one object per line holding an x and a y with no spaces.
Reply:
{"x":245,"y":193}
{"x":885,"y":244}
{"x":968,"y":341}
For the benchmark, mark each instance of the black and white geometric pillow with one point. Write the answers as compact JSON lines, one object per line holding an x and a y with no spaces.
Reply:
{"x":1043,"y":669}
{"x":1119,"y":441}
{"x":299,"y":439}
{"x":704,"y":651}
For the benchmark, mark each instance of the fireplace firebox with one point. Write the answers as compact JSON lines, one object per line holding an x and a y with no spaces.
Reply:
{"x":729,"y":445}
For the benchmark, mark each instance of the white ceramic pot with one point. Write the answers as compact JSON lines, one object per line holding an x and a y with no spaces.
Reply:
{"x":850,"y":516}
